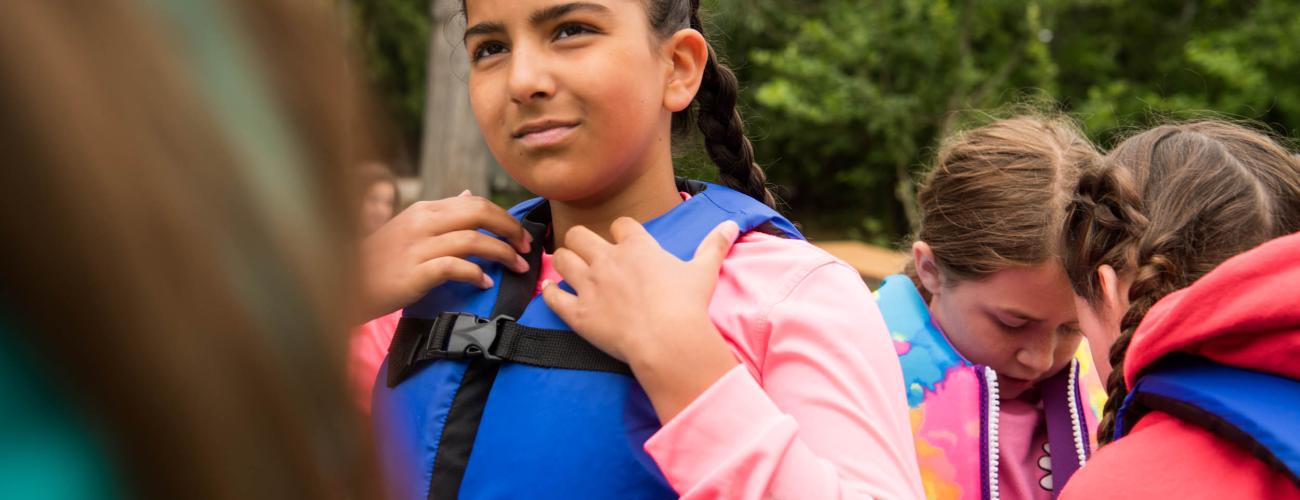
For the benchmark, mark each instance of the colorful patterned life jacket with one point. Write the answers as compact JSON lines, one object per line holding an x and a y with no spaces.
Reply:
{"x":488,"y":394}
{"x":1256,"y":410}
{"x":954,"y":404}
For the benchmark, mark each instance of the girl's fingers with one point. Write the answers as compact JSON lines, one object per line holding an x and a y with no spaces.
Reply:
{"x":468,"y":243}
{"x":626,"y":229}
{"x":473,"y":212}
{"x":443,"y":269}
{"x":574,"y":269}
{"x":716,"y":245}
{"x":585,"y":243}
{"x":563,"y":303}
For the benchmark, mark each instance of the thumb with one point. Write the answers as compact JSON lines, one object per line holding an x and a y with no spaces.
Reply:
{"x":716,"y":246}
{"x":563,"y":303}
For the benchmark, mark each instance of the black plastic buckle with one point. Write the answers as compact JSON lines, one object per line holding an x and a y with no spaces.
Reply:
{"x":473,"y":337}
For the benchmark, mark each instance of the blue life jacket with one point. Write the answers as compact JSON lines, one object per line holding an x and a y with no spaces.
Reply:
{"x":520,"y":427}
{"x":1258,"y":411}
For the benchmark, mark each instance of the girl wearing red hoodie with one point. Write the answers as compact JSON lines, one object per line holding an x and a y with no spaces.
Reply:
{"x":1146,"y":243}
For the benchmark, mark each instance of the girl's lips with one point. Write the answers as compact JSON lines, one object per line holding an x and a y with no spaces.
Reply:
{"x":546,"y":137}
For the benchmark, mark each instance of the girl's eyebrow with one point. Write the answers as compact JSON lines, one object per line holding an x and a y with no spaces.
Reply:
{"x":557,"y":11}
{"x":482,"y":29}
{"x":537,"y":18}
{"x":1018,"y":314}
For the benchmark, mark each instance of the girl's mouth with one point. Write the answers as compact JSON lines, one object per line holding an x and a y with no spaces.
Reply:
{"x":544,"y":133}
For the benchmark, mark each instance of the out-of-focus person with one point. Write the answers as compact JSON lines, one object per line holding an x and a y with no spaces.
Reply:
{"x":379,"y":195}
{"x":178,"y":247}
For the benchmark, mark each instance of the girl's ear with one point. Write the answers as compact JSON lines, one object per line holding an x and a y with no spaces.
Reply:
{"x":1115,"y":288}
{"x":687,"y":53}
{"x":926,"y":267}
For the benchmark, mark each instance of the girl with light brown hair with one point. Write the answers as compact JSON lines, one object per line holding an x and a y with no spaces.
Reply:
{"x":984,"y":319}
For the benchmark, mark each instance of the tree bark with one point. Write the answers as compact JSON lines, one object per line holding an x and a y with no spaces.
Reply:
{"x":453,"y":155}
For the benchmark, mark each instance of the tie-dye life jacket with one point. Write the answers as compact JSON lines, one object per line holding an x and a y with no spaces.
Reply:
{"x":955,"y":407}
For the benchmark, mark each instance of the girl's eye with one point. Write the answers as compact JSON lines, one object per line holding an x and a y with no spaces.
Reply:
{"x":1012,"y":324}
{"x":571,"y":30}
{"x":488,"y":49}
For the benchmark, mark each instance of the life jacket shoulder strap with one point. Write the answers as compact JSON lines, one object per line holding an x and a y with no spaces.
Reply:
{"x":1255,"y":410}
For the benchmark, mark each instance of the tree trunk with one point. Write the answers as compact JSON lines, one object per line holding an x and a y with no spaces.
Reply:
{"x":453,"y":155}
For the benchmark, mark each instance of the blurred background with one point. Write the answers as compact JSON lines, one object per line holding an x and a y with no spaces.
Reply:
{"x":847,"y":99}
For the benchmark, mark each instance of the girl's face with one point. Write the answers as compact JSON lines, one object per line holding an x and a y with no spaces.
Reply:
{"x":1020,"y":321}
{"x":570,"y":95}
{"x":377,"y":207}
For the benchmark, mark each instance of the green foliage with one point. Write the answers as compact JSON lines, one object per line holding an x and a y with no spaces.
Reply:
{"x":851,"y":97}
{"x":394,"y":37}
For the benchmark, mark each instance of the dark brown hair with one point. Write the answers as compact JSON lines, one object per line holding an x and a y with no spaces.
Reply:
{"x":714,"y":109}
{"x":178,"y":259}
{"x":1168,"y":205}
{"x":997,"y":195}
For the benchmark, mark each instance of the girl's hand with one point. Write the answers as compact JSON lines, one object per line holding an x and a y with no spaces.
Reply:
{"x":642,"y":305}
{"x":427,"y":245}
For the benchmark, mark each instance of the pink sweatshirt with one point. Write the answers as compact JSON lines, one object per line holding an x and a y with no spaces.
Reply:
{"x":367,"y":350}
{"x":815,"y":409}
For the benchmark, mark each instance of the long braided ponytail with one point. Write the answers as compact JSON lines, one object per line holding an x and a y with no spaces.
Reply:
{"x":1168,"y":206}
{"x":716,"y":114}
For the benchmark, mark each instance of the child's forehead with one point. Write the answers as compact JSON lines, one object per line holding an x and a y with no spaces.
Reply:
{"x":537,"y":10}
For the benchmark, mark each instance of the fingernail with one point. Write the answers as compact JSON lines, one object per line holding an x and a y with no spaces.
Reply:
{"x":731,"y":230}
{"x":521,"y":265}
{"x":527,"y":245}
{"x":486,"y":283}
{"x":464,"y":193}
{"x":546,"y":284}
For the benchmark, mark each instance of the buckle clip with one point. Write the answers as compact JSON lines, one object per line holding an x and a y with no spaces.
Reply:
{"x":473,"y":337}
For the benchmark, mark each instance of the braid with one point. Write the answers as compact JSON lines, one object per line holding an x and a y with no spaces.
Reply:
{"x":724,"y":132}
{"x":1103,"y":222}
{"x":1158,"y":276}
{"x":1170,"y":204}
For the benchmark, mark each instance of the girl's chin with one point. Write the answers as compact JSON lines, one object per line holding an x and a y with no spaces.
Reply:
{"x":1011,"y":388}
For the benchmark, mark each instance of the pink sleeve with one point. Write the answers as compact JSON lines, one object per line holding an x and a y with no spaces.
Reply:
{"x":366,"y":352}
{"x":823,"y":417}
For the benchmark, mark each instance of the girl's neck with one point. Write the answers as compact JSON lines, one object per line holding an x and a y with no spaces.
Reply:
{"x":651,"y":194}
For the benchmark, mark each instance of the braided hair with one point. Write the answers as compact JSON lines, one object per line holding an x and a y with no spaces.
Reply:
{"x":715,"y":111}
{"x":1168,"y":205}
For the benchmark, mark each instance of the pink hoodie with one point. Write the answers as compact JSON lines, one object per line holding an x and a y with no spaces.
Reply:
{"x":1244,"y":314}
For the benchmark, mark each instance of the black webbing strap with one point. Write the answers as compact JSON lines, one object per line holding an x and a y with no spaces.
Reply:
{"x":466,"y":336}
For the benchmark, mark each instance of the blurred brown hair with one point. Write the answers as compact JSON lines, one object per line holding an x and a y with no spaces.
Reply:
{"x":1168,"y":205}
{"x":180,"y":279}
{"x":997,"y":194}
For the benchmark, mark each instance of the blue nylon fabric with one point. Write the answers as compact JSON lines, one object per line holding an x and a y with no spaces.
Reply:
{"x":1263,"y":405}
{"x":545,"y":432}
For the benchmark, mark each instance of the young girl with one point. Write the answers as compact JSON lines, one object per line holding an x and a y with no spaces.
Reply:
{"x":1167,"y":210}
{"x":985,"y":321}
{"x":769,"y":379}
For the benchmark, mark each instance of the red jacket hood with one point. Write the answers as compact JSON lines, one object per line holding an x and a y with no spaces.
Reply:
{"x":1245,"y":313}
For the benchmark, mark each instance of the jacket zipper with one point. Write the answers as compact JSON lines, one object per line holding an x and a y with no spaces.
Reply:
{"x":1076,"y":414}
{"x":993,"y":408}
